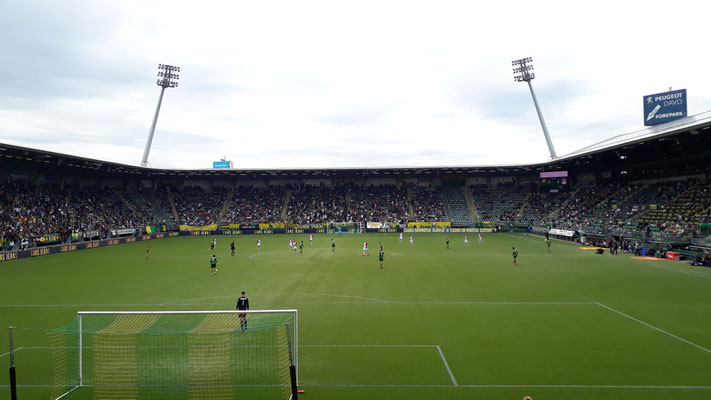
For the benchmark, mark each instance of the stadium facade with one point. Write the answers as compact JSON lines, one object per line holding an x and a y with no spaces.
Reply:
{"x":629,"y":186}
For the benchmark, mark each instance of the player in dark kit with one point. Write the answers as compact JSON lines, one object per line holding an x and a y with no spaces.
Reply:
{"x":301,"y":247}
{"x":243,"y":304}
{"x":213,"y":265}
{"x":381,"y":254}
{"x":333,"y":245}
{"x":232,"y":246}
{"x":514,"y":254}
{"x":446,"y":238}
{"x":548,"y":243}
{"x":148,"y":252}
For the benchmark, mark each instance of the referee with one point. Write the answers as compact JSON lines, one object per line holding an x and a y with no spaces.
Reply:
{"x":243,"y":304}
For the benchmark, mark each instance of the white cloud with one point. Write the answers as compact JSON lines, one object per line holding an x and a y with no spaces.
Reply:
{"x":323,"y":83}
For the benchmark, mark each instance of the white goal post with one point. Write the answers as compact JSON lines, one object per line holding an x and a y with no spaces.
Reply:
{"x":185,"y":349}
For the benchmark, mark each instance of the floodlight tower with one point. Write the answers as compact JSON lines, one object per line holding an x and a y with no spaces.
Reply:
{"x":522,"y":72}
{"x":167,"y":77}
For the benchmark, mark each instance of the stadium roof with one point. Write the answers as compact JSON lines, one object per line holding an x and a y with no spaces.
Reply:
{"x":687,"y":138}
{"x":694,"y":123}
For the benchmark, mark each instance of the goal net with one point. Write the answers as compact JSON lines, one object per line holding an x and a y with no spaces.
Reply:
{"x":176,"y":355}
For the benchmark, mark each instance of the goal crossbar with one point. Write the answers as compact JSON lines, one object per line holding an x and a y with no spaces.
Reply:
{"x":187,"y":312}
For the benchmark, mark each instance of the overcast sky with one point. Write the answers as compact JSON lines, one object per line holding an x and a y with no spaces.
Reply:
{"x":340,"y":83}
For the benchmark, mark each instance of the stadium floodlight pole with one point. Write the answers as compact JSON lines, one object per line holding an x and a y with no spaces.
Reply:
{"x":167,"y":77}
{"x":522,"y":72}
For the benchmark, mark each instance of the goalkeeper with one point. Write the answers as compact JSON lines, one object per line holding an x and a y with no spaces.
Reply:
{"x":243,"y":304}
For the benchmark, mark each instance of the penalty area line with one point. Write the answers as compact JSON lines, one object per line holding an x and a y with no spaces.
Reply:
{"x":446,"y":365}
{"x":655,"y":328}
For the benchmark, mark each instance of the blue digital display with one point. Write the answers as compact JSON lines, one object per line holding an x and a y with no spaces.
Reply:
{"x":221,"y":164}
{"x":664,"y":107}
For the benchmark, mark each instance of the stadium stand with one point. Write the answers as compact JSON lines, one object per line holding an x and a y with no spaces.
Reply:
{"x":540,"y":205}
{"x":252,"y":206}
{"x":428,"y":204}
{"x":499,"y":204}
{"x":378,"y":203}
{"x":196,"y":207}
{"x":315,"y":205}
{"x":456,"y":207}
{"x":652,"y":185}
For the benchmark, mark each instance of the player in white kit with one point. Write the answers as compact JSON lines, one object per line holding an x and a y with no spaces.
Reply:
{"x":481,"y":240}
{"x":365,"y":248}
{"x":311,"y":238}
{"x":412,"y":241}
{"x":400,"y":237}
{"x":259,"y":244}
{"x":466,"y":240}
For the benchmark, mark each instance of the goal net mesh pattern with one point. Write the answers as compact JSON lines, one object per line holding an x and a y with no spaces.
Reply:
{"x":173,"y":356}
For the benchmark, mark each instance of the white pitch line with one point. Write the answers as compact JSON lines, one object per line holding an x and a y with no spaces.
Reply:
{"x":446,"y":365}
{"x":368,"y":345}
{"x":367,"y":300}
{"x":8,"y":353}
{"x":497,"y":302}
{"x":281,"y":294}
{"x":701,"y":387}
{"x":655,"y":328}
{"x":82,"y":305}
{"x":688,"y":387}
{"x":29,"y":386}
{"x":681,"y":271}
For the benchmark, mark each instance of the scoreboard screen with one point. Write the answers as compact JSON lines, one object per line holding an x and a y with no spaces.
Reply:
{"x":554,"y":181}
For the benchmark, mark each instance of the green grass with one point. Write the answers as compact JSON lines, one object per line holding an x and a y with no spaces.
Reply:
{"x":570,"y":324}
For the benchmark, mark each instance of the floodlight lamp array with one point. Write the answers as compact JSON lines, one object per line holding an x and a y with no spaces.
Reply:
{"x":522,"y":70}
{"x":168,"y":75}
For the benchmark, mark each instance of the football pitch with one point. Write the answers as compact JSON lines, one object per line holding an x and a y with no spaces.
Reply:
{"x":434,"y":323}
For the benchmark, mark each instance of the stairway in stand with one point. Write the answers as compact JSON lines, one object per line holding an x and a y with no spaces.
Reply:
{"x":456,"y":206}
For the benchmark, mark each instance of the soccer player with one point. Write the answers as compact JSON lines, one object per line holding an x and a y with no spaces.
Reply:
{"x":291,"y":244}
{"x":446,"y":239}
{"x":259,"y":244}
{"x":311,"y":238}
{"x":148,"y":251}
{"x":466,"y":240}
{"x":412,"y":241}
{"x":333,"y":245}
{"x":301,"y":247}
{"x":243,"y":304}
{"x":339,"y":231}
{"x":514,"y":254}
{"x":213,"y":265}
{"x":400,"y":237}
{"x":548,"y":243}
{"x":481,"y":239}
{"x":296,"y":246}
{"x":365,"y":248}
{"x":232,"y":246}
{"x":212,"y":245}
{"x":381,"y":254}
{"x":381,"y":244}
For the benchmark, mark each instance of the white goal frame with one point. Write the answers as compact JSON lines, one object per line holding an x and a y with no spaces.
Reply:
{"x":80,"y":315}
